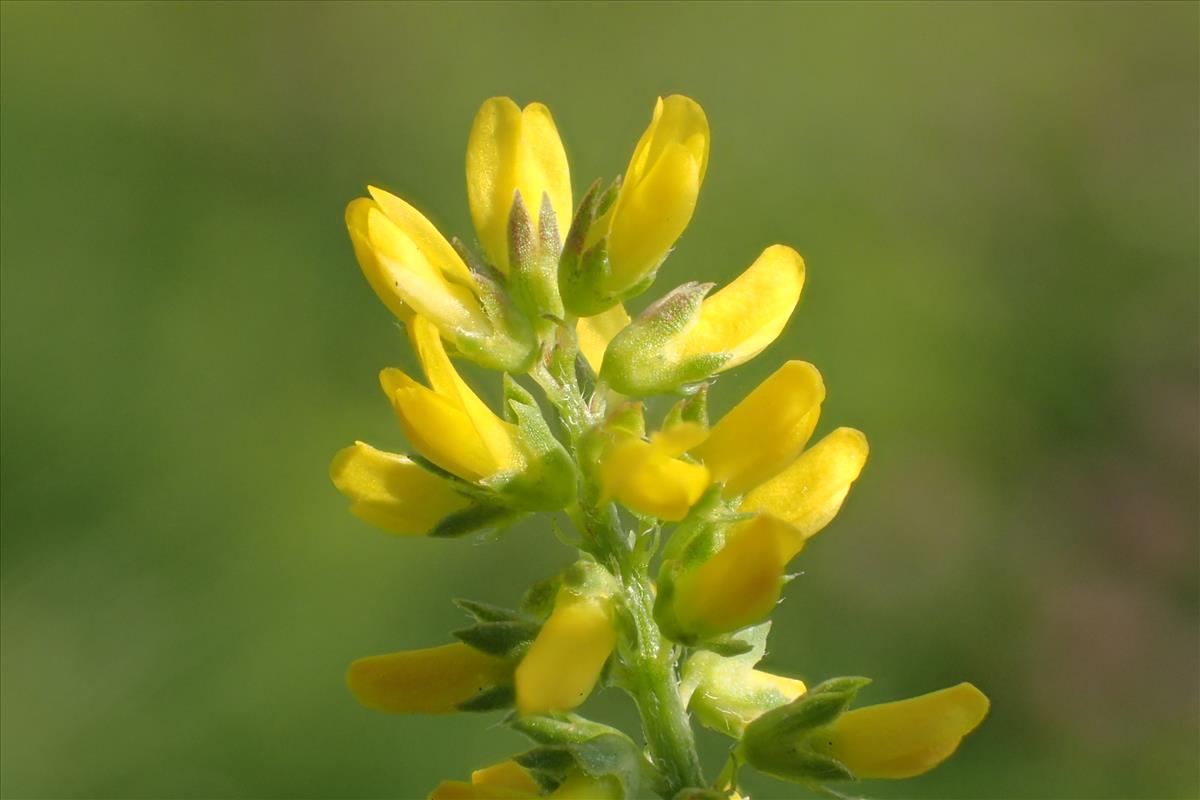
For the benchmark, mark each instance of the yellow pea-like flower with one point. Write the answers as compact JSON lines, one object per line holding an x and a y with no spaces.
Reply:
{"x":391,"y":492}
{"x":597,"y":331}
{"x":562,"y":665}
{"x":412,"y":267}
{"x":906,"y":737}
{"x":430,"y":681}
{"x":766,"y":431}
{"x":748,"y":314}
{"x":509,"y":150}
{"x":808,"y":494}
{"x":648,"y":478}
{"x":658,"y":192}
{"x":446,"y":422}
{"x":740,"y":584}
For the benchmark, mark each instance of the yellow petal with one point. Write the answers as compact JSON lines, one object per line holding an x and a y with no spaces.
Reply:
{"x":511,"y":150}
{"x":748,"y":314}
{"x":679,"y":438}
{"x":646,"y":479}
{"x":497,"y":436}
{"x":659,"y":191}
{"x":430,"y":681}
{"x":731,"y":696}
{"x":740,"y":585}
{"x":579,"y":786}
{"x":391,"y":492}
{"x":356,"y":223}
{"x":508,"y":774}
{"x":907,"y":737}
{"x":407,"y":273}
{"x":424,"y":235}
{"x":564,"y":661}
{"x":461,"y":790}
{"x":809,"y":493}
{"x":596,"y":332}
{"x":766,"y":431}
{"x":437,"y":428}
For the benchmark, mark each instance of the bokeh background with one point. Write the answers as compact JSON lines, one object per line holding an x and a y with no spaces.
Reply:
{"x":998,"y":205}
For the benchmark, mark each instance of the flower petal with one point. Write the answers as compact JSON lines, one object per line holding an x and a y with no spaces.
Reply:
{"x":438,"y":428}
{"x":645,"y":478}
{"x":739,"y":585}
{"x":391,"y":492}
{"x":424,"y":235}
{"x":564,"y":661}
{"x":406,"y":273}
{"x":766,"y":431}
{"x":596,"y":332}
{"x":904,"y":738}
{"x":748,"y":314}
{"x":809,"y":493}
{"x":497,"y":436}
{"x":659,"y":191}
{"x":430,"y":681}
{"x":356,"y":223}
{"x":508,"y":774}
{"x":511,"y":150}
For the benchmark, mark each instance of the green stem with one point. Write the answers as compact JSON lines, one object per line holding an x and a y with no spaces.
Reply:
{"x":648,"y":661}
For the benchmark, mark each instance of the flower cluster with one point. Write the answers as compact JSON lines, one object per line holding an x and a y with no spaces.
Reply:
{"x":679,"y":628}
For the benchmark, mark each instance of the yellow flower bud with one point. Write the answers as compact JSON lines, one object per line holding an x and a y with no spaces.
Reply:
{"x":391,"y":492}
{"x":808,"y":494}
{"x":647,"y":477}
{"x":513,"y":150}
{"x":447,"y":422}
{"x":658,"y":192}
{"x":564,"y":661}
{"x":906,"y":737}
{"x":766,"y":431}
{"x":430,"y":681}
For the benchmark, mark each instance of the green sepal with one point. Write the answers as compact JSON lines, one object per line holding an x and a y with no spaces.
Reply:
{"x":486,"y":612}
{"x":533,"y":261}
{"x":539,"y":598}
{"x":546,"y":759}
{"x":548,"y":483}
{"x":596,"y":750}
{"x":725,"y":646}
{"x":693,"y":408}
{"x":493,"y":698}
{"x":639,"y":360}
{"x":778,"y":742}
{"x":700,"y":793}
{"x":511,"y":343}
{"x":507,"y":639}
{"x":476,"y":518}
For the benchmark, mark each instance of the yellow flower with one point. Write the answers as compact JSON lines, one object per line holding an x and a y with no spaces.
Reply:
{"x":391,"y":492}
{"x":648,"y":478}
{"x":446,"y":422}
{"x":766,"y":431}
{"x":431,"y":681}
{"x":904,"y":738}
{"x":741,"y":583}
{"x":684,"y":338}
{"x":509,"y":781}
{"x":513,"y":150}
{"x":412,"y":266}
{"x":658,"y":192}
{"x":562,"y":665}
{"x":748,"y":314}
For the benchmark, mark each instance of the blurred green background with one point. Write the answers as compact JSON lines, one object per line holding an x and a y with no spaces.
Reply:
{"x":998,"y":206}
